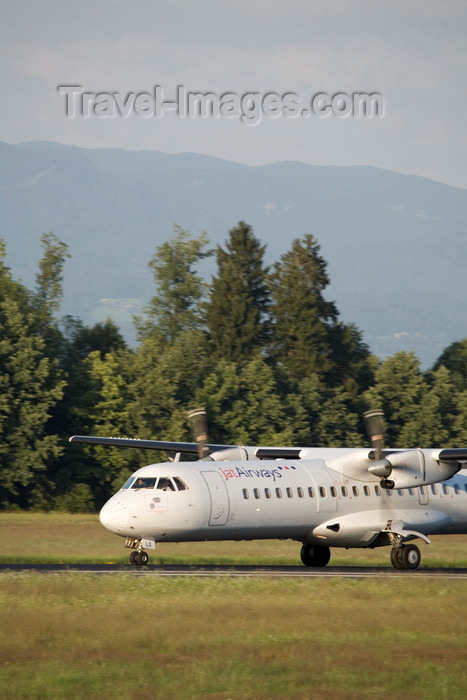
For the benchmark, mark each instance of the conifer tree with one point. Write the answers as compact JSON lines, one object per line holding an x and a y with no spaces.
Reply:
{"x":236,"y":313}
{"x":49,"y":279}
{"x":303,"y":318}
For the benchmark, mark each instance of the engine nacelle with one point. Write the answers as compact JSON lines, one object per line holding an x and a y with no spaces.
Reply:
{"x":411,"y":468}
{"x":239,"y":454}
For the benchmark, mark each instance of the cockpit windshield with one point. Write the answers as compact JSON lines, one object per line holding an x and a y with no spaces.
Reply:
{"x":128,"y":482}
{"x":144,"y":482}
{"x":165,"y":484}
{"x":162,"y":483}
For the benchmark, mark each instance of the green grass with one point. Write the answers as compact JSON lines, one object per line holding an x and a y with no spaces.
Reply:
{"x":126,"y":637}
{"x":68,"y":539}
{"x":130,"y":637}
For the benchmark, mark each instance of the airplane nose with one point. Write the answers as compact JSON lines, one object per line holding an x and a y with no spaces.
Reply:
{"x":114,"y":516}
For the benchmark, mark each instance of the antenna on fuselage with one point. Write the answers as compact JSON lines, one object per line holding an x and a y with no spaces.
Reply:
{"x":199,"y":426}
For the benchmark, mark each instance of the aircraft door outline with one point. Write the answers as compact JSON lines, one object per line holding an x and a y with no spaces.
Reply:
{"x":219,"y":498}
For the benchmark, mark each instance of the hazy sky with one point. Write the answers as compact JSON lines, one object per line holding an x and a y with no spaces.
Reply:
{"x":413,"y":54}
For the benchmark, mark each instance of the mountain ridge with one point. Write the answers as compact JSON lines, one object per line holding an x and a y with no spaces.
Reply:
{"x":392,"y":241}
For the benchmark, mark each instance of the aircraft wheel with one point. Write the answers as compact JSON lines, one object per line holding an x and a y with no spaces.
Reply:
{"x":396,"y":559}
{"x":133,"y":556}
{"x":141,"y":558}
{"x":315,"y":556}
{"x":410,"y":556}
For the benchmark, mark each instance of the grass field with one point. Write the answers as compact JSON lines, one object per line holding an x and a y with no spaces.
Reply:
{"x":126,"y":637}
{"x":63,"y":538}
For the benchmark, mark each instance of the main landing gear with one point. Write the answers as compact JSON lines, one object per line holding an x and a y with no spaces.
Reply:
{"x":312,"y":555}
{"x":405,"y":556}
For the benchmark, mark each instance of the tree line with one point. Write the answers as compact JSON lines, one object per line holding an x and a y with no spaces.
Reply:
{"x":259,"y":347}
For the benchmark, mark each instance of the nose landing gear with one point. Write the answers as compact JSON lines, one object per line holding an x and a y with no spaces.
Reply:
{"x":138,"y":557}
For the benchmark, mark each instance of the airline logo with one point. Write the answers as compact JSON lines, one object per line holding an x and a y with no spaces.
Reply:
{"x":239,"y":473}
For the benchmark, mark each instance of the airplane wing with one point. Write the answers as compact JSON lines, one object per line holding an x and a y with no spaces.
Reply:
{"x":451,"y":455}
{"x":185,"y":447}
{"x":189,"y":447}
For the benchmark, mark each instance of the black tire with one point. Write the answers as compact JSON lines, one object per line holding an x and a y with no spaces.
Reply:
{"x":133,"y":556}
{"x":396,"y":560}
{"x":141,"y":558}
{"x":410,"y":556}
{"x":315,"y":556}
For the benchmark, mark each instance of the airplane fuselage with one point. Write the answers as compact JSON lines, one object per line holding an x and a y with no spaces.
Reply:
{"x":303,"y":500}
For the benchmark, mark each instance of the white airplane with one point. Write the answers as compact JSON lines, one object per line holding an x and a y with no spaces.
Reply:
{"x":321,"y":497}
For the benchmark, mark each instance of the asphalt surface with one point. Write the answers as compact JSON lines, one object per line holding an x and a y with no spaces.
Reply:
{"x":239,"y":571}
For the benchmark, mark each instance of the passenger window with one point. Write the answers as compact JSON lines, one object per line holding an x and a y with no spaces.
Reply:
{"x":445,"y":489}
{"x":377,"y":491}
{"x":145,"y":482}
{"x":180,"y":484}
{"x":344,"y":490}
{"x":400,"y":492}
{"x":411,"y":492}
{"x":322,"y":492}
{"x":389,"y":492}
{"x":256,"y":493}
{"x":457,"y":489}
{"x":289,"y":492}
{"x":246,"y":495}
{"x":267,"y":493}
{"x":355,"y":490}
{"x":366,"y":490}
{"x":311,"y":492}
{"x":333,"y":491}
{"x":278,"y":493}
{"x":422,"y":490}
{"x":300,"y":492}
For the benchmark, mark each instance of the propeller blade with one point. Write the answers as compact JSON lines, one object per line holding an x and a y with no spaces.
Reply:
{"x":199,"y":425}
{"x":374,"y":428}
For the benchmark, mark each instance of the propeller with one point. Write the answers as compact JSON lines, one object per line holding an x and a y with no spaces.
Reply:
{"x":374,"y":427}
{"x":199,"y":426}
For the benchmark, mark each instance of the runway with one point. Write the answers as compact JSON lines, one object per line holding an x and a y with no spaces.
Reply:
{"x":238,"y":571}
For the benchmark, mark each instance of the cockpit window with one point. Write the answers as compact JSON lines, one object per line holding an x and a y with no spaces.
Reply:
{"x":180,"y":484}
{"x":165,"y":484}
{"x":144,"y":482}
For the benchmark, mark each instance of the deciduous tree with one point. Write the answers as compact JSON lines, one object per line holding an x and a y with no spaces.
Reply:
{"x":180,"y":289}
